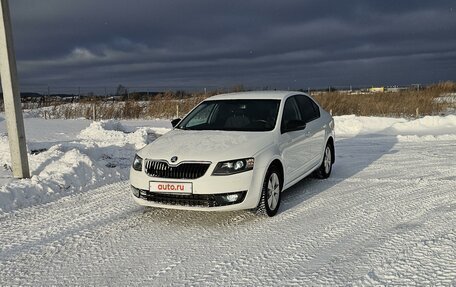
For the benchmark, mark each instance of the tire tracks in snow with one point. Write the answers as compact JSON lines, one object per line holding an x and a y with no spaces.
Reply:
{"x":41,"y":224}
{"x":359,"y":230}
{"x":286,"y":254}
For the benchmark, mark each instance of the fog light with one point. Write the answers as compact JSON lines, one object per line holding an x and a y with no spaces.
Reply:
{"x":232,"y":197}
{"x":135,"y":191}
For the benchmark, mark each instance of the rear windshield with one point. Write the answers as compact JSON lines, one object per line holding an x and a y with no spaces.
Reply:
{"x":233,"y":115}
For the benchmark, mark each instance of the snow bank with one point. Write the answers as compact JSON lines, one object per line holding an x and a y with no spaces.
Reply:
{"x":429,"y":127}
{"x":101,"y":154}
{"x":106,"y":133}
{"x":62,"y":172}
{"x":353,"y":125}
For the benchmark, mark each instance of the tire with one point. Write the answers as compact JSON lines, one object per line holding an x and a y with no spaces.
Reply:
{"x":324,"y":171}
{"x":270,"y":193}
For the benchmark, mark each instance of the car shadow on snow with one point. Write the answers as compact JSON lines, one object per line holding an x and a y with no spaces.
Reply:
{"x":353,"y":155}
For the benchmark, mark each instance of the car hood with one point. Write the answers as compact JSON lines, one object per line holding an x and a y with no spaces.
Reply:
{"x":211,"y":146}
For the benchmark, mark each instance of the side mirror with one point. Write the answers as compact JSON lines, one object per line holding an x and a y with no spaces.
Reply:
{"x":175,"y":122}
{"x":294,"y":125}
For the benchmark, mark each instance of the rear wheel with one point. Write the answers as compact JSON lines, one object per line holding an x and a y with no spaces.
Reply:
{"x":270,"y":193}
{"x":324,"y":171}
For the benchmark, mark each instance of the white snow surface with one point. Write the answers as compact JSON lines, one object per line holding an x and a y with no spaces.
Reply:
{"x":433,"y":126}
{"x":68,"y":156}
{"x":385,"y":217}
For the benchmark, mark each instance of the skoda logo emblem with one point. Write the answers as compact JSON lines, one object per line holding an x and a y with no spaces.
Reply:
{"x":174,"y":159}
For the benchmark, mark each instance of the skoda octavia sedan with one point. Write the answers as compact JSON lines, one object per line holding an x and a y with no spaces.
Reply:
{"x":236,"y":151}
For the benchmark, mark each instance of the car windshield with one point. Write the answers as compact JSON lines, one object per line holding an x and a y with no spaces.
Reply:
{"x":233,"y":115}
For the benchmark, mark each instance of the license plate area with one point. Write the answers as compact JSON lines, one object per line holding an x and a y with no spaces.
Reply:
{"x":171,"y":187}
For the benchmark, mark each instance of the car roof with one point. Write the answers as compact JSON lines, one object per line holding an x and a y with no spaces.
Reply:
{"x":257,"y":95}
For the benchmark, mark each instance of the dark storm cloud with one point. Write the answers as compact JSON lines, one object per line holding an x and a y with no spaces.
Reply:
{"x":279,"y":44}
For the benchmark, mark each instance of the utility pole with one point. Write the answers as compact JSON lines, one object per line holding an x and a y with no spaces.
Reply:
{"x":11,"y":96}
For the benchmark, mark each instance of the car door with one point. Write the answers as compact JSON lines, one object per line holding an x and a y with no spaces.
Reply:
{"x":296,"y":154}
{"x":310,"y":113}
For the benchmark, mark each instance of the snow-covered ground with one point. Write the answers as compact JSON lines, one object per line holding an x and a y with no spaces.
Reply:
{"x":385,"y":217}
{"x":68,"y":156}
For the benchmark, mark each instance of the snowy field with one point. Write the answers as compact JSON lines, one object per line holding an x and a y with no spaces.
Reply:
{"x":386,"y":216}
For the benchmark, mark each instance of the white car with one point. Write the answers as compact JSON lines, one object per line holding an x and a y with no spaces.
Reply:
{"x":236,"y":151}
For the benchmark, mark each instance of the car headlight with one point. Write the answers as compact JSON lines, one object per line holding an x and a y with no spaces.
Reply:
{"x":137,"y":163}
{"x":233,"y":166}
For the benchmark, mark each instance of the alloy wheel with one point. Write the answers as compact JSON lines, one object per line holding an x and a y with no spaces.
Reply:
{"x":327,"y":160}
{"x":273,"y":191}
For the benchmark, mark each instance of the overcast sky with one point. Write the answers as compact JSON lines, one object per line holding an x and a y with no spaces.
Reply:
{"x":184,"y":44}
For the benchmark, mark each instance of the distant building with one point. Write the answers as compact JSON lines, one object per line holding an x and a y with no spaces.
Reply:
{"x":396,"y":89}
{"x":377,"y":89}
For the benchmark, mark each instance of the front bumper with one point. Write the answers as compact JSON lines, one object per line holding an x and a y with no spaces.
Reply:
{"x":207,"y":191}
{"x":191,"y":200}
{"x":173,"y":205}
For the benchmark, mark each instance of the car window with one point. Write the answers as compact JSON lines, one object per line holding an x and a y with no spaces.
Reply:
{"x":290,"y":112}
{"x":308,"y":108}
{"x":233,"y":115}
{"x":316,"y":109}
{"x":201,"y":117}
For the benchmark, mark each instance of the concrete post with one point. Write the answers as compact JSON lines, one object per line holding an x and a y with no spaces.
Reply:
{"x":11,"y":96}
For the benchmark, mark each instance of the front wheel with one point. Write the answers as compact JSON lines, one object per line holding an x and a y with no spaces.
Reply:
{"x":270,"y":194}
{"x":324,"y":171}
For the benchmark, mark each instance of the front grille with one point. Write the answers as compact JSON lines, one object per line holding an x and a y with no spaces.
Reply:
{"x":198,"y":200}
{"x":186,"y":170}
